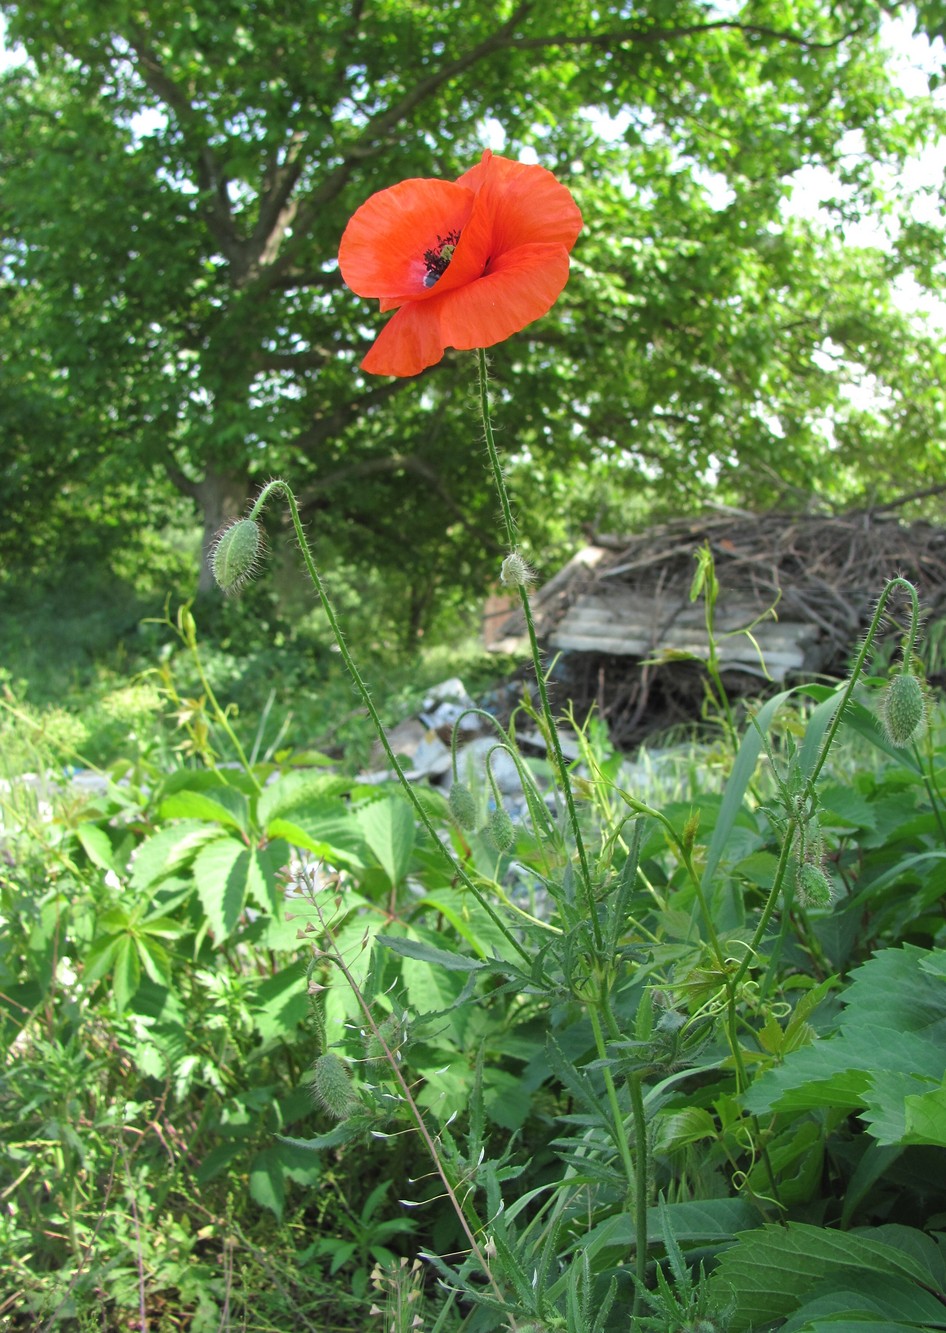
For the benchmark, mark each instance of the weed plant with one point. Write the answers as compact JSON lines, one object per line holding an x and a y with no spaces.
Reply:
{"x":289,"y":1049}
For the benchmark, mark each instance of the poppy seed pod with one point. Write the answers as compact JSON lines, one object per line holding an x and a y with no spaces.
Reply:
{"x":331,"y":1086}
{"x":236,"y":554}
{"x":463,"y":805}
{"x":499,"y":829}
{"x":904,"y":708}
{"x":814,"y":887}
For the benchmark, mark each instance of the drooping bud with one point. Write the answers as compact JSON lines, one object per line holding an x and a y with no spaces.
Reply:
{"x":499,"y":829}
{"x":331,"y":1086}
{"x":515,"y":571}
{"x":903,"y":708}
{"x":235,"y":555}
{"x":463,"y":805}
{"x":814,"y":887}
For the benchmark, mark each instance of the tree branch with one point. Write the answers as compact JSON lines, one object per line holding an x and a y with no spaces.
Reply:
{"x":210,"y":178}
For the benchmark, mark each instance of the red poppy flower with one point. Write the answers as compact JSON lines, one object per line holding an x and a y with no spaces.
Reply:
{"x":465,"y":263}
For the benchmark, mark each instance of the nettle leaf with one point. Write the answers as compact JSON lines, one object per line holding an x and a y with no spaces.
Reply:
{"x":925,"y":1117}
{"x":886,"y":1056}
{"x":298,"y":791}
{"x":262,"y":877}
{"x":388,"y":826}
{"x":97,"y":846}
{"x":268,"y":1182}
{"x":327,"y":828}
{"x":769,"y":1272}
{"x":281,"y":1003}
{"x":221,"y":872}
{"x":223,"y":807}
{"x":169,"y":850}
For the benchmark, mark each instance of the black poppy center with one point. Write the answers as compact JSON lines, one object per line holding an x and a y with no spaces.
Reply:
{"x":437,"y":258}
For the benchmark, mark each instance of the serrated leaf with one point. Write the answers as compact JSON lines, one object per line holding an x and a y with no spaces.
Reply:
{"x":925,"y":1117}
{"x":126,"y":972}
{"x":329,"y":831}
{"x":198,"y":805}
{"x":280,"y":1003}
{"x":169,"y":850}
{"x":220,"y":873}
{"x":295,"y":791}
{"x":430,"y":953}
{"x":267,"y":1183}
{"x":97,"y":846}
{"x":262,"y":875}
{"x":389,"y":830}
{"x":770,"y":1271}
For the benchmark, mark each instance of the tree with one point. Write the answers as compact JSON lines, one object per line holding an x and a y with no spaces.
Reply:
{"x":176,"y":180}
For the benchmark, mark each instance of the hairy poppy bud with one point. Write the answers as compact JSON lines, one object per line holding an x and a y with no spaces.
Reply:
{"x":331,"y":1087}
{"x":236,"y":554}
{"x":515,"y":571}
{"x":904,"y":708}
{"x":463,"y":805}
{"x":814,"y":887}
{"x":500,"y":830}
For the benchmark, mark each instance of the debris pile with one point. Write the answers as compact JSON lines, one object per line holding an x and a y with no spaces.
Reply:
{"x":631,"y":641}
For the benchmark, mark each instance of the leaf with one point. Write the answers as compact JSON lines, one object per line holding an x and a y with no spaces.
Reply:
{"x":262,"y":874}
{"x":267,"y":1181}
{"x":220,"y":873}
{"x":328,"y":830}
{"x":97,"y":846}
{"x":169,"y":850}
{"x":771,"y":1270}
{"x":737,"y":784}
{"x":299,"y":791}
{"x":198,"y":805}
{"x":430,"y":953}
{"x":886,"y":1054}
{"x":126,"y":972}
{"x":925,"y":1117}
{"x":388,"y":826}
{"x":280,"y":1003}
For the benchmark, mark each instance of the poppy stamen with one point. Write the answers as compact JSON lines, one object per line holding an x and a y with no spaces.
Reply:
{"x":437,"y":259}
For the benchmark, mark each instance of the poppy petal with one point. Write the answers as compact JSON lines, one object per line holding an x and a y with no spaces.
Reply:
{"x":526,"y":203}
{"x":409,"y":342}
{"x":383,"y":246}
{"x":519,"y":287}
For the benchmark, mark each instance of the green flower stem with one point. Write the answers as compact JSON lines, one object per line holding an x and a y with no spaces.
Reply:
{"x":188,"y":632}
{"x":416,"y":802}
{"x":553,"y":737}
{"x":793,"y":823}
{"x":641,"y":808}
{"x":620,"y":1137}
{"x":908,"y":650}
{"x":472,"y":1224}
{"x":635,"y":1088}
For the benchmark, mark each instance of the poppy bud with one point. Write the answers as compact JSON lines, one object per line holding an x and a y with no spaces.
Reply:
{"x":515,"y":571}
{"x":814,"y":887}
{"x":499,"y":829}
{"x":904,"y":708}
{"x":330,"y":1085}
{"x":463,"y":805}
{"x":236,"y":554}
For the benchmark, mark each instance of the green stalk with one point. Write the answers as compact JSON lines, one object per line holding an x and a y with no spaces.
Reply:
{"x":362,"y":688}
{"x":551,"y":728}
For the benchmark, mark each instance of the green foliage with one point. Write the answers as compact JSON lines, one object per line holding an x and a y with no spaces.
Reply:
{"x":263,"y":1018}
{"x":174,"y":328}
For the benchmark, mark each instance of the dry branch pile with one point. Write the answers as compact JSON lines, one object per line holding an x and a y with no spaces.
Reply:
{"x":621,"y":617}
